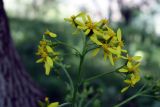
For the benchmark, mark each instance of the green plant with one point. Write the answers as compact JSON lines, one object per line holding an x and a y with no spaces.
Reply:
{"x":97,"y":36}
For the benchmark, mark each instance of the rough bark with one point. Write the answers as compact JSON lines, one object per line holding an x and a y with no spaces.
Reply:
{"x":16,"y":87}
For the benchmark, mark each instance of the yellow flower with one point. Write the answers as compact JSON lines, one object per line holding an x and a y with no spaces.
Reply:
{"x":134,"y":78}
{"x":72,"y":19}
{"x":46,"y":53}
{"x":54,"y":104}
{"x":51,"y":34}
{"x":132,"y":72}
{"x":109,"y":49}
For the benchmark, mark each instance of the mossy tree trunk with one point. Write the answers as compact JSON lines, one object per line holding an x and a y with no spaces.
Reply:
{"x":16,"y":87}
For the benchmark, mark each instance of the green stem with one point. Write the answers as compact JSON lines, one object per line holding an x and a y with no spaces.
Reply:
{"x":68,"y":76}
{"x":102,"y":74}
{"x":91,"y":100}
{"x":127,"y":100}
{"x":140,"y":92}
{"x":78,"y":83}
{"x":64,"y":104}
{"x":62,"y":43}
{"x":98,"y":76}
{"x":146,"y":95}
{"x":92,"y":49}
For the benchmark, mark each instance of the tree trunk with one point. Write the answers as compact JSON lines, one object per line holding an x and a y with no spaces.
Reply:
{"x":16,"y":87}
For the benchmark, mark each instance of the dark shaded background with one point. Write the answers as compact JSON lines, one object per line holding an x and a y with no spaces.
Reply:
{"x":138,"y":19}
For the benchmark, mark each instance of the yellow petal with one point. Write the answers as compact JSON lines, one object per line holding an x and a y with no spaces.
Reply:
{"x":55,"y":104}
{"x":49,"y":49}
{"x":106,"y":37}
{"x":81,"y":14}
{"x":53,"y":35}
{"x":97,"y":32}
{"x":125,"y":51}
{"x":40,"y":60}
{"x":129,"y":65}
{"x":82,"y":27}
{"x":47,"y":68}
{"x":95,"y":40}
{"x":125,"y":89}
{"x":87,"y":32}
{"x":95,"y":51}
{"x":119,"y":35}
{"x":89,"y":18}
{"x":128,"y":81}
{"x":123,"y":70}
{"x":137,"y":65}
{"x":113,"y":51}
{"x":111,"y":59}
{"x":136,"y":58}
{"x":105,"y":56}
{"x":79,"y":23}
{"x":123,"y":57}
{"x":67,"y":19}
{"x":118,"y":51}
{"x":49,"y":61}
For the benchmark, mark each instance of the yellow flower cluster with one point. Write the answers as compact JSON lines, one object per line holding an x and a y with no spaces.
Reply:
{"x":110,"y":42}
{"x":101,"y":34}
{"x":46,"y":52}
{"x":132,"y":71}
